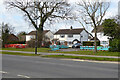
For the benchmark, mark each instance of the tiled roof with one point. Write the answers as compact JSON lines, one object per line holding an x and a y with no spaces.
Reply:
{"x":70,"y":31}
{"x":12,"y":37}
{"x":34,"y":32}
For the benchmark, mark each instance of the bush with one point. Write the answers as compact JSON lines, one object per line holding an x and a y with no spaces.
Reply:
{"x":114,"y":45}
{"x":47,"y":44}
{"x":17,"y":42}
{"x":31,"y":43}
{"x":89,"y":43}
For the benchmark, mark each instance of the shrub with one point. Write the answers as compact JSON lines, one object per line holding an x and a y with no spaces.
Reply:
{"x":47,"y":44}
{"x":114,"y":45}
{"x":89,"y":43}
{"x":17,"y":42}
{"x":31,"y":43}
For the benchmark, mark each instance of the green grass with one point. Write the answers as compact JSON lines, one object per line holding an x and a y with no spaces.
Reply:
{"x":62,"y":56}
{"x":99,"y":53}
{"x":28,"y":49}
{"x":21,"y":54}
{"x":47,"y":50}
{"x":80,"y":57}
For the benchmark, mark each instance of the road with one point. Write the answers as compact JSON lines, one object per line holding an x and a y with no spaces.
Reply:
{"x":37,"y":67}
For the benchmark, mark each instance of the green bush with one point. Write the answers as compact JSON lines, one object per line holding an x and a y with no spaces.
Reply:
{"x":17,"y":42}
{"x":47,"y":44}
{"x":31,"y":43}
{"x":114,"y":45}
{"x":89,"y":43}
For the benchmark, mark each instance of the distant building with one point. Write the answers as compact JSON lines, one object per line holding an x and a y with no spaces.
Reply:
{"x":71,"y":36}
{"x":22,"y":38}
{"x":12,"y":38}
{"x":104,"y":40}
{"x":48,"y":35}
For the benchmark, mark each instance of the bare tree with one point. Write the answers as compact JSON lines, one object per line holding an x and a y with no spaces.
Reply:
{"x":92,"y":13}
{"x":46,"y":11}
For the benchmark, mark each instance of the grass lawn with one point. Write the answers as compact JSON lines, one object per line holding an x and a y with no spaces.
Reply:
{"x":21,"y":54}
{"x":100,"y":53}
{"x":62,"y":56}
{"x":84,"y":58}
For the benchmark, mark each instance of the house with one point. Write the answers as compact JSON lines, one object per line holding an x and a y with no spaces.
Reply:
{"x":12,"y":38}
{"x":48,"y":35}
{"x":104,"y":40}
{"x":22,"y":38}
{"x":71,"y":36}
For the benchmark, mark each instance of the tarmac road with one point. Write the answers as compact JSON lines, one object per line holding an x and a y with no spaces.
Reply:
{"x":14,"y":66}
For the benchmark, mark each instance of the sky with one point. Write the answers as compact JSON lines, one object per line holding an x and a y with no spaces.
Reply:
{"x":16,"y":19}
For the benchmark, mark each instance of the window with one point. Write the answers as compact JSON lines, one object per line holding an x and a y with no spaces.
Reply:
{"x":62,"y":36}
{"x":70,"y":35}
{"x":104,"y":42}
{"x":70,"y":43}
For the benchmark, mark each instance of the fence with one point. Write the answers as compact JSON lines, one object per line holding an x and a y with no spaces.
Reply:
{"x":57,"y":47}
{"x":15,"y":45}
{"x":105,"y":48}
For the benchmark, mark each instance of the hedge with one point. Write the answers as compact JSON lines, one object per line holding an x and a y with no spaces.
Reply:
{"x":17,"y":42}
{"x":89,"y":43}
{"x":114,"y":45}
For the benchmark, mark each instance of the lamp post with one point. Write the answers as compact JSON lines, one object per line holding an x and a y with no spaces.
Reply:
{"x":35,"y":4}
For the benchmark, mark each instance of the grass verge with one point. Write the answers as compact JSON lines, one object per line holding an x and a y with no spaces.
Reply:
{"x":21,"y":54}
{"x":81,"y":52}
{"x":62,"y":56}
{"x":81,"y":57}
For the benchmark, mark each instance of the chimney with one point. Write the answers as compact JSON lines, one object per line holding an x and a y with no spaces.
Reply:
{"x":71,"y":28}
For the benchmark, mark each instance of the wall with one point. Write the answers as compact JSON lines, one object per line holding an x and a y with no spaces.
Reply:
{"x":29,"y":37}
{"x":49,"y":35}
{"x":102,"y":38}
{"x":84,"y":35}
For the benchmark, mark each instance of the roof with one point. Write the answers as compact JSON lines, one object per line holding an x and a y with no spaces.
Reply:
{"x":34,"y":32}
{"x":99,"y":29}
{"x":12,"y":37}
{"x":70,"y":31}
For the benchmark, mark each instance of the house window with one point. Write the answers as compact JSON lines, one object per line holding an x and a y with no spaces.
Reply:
{"x":70,"y":35}
{"x":62,"y":42}
{"x":62,"y":36}
{"x":104,"y":42}
{"x":32,"y":37}
{"x":70,"y":43}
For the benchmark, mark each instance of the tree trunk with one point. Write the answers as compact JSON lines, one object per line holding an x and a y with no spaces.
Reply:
{"x":95,"y":40}
{"x":40,"y":36}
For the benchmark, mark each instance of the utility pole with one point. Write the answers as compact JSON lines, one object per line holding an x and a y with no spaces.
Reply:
{"x":35,"y":4}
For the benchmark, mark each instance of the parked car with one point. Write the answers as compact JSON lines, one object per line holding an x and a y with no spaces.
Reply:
{"x":77,"y":45}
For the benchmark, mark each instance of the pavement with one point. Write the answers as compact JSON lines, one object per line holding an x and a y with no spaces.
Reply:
{"x":14,"y":66}
{"x":61,"y":54}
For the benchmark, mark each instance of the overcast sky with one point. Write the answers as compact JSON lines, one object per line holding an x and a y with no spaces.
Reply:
{"x":16,"y":19}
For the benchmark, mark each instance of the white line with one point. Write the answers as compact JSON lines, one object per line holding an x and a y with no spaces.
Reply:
{"x":3,"y":72}
{"x":23,"y":76}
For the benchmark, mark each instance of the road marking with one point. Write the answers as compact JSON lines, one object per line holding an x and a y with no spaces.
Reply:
{"x":3,"y":72}
{"x":92,"y":61}
{"x":23,"y":76}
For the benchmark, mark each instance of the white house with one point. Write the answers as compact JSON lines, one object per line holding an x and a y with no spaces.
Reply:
{"x":104,"y":40}
{"x":71,"y":36}
{"x":47,"y":34}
